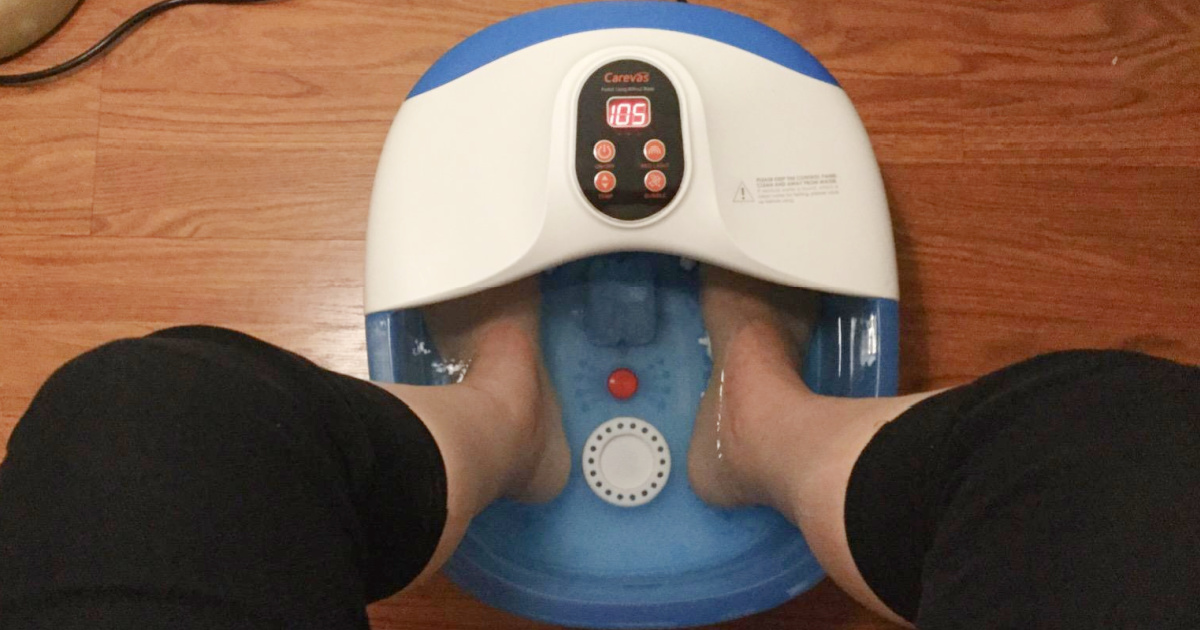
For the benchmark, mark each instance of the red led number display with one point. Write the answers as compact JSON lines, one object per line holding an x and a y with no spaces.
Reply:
{"x":628,"y":112}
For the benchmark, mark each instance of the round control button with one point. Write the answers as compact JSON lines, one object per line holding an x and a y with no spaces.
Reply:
{"x":604,"y":151}
{"x":655,"y":181}
{"x":622,"y":383}
{"x":626,"y":462}
{"x":605,"y":181}
{"x":654,"y":150}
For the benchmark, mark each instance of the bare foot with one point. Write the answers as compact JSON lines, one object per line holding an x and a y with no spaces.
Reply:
{"x":780,"y":444}
{"x":757,"y":331}
{"x":492,"y":338}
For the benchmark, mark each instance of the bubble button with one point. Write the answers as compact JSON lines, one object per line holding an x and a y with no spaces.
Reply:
{"x":655,"y":181}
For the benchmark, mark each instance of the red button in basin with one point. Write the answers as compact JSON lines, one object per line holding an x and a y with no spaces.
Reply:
{"x":622,"y":383}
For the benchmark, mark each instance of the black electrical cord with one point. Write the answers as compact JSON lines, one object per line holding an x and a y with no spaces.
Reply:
{"x":112,"y":38}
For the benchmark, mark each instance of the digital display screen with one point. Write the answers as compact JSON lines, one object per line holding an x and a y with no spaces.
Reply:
{"x":628,"y":112}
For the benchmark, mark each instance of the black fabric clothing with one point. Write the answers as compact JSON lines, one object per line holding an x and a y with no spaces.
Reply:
{"x":200,"y":478}
{"x":1061,"y":492}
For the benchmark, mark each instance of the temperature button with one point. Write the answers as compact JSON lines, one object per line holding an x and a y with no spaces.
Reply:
{"x":604,"y":151}
{"x":655,"y":181}
{"x":605,"y":181}
{"x":654,"y":150}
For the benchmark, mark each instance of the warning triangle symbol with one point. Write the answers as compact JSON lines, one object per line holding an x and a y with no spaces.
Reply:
{"x":743,"y":193}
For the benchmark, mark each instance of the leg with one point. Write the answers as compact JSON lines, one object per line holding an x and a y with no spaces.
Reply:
{"x":201,"y":478}
{"x":1036,"y":496}
{"x":781,"y":444}
{"x":499,"y":429}
{"x":1058,"y":492}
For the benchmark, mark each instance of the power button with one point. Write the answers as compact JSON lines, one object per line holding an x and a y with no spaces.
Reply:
{"x":604,"y":151}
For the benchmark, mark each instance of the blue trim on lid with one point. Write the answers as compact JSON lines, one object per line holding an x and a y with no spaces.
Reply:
{"x":528,"y":29}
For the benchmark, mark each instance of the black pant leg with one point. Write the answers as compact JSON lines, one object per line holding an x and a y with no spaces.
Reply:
{"x":199,"y":478}
{"x":1061,"y":492}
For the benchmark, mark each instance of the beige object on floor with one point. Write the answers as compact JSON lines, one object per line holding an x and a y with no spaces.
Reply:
{"x":24,"y":22}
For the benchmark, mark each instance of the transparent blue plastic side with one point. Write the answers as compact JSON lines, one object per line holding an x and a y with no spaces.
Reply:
{"x":400,"y":350}
{"x":855,"y":348}
{"x":580,"y":562}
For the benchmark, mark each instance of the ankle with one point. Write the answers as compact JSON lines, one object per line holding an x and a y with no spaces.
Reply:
{"x":815,"y":449}
{"x":505,"y":369}
{"x":524,"y":419}
{"x":762,"y":396}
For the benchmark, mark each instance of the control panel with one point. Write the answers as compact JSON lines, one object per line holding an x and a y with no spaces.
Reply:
{"x":629,"y":140}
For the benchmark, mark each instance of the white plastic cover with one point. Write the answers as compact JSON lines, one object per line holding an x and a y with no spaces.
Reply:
{"x":476,"y":184}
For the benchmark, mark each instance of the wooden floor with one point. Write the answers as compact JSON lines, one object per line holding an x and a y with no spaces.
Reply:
{"x":1042,"y":159}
